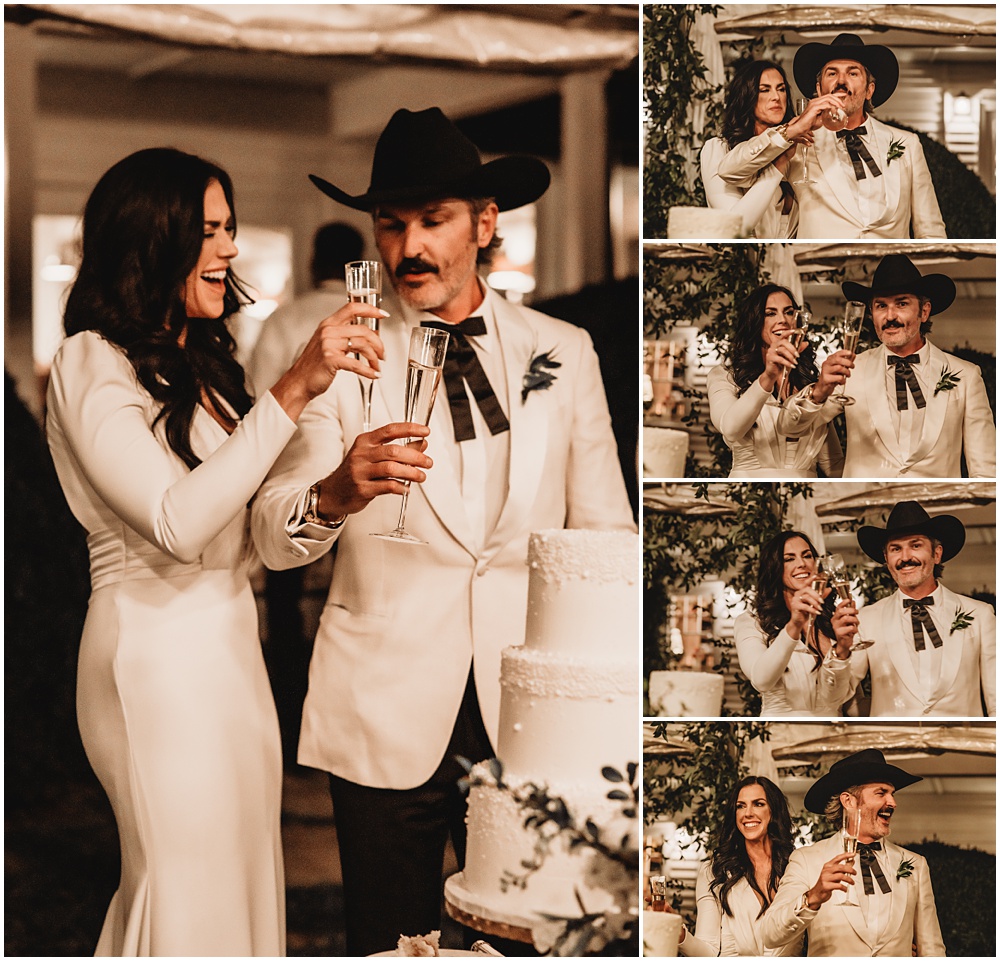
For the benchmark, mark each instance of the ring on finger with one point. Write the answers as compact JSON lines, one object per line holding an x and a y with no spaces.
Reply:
{"x":348,"y":343}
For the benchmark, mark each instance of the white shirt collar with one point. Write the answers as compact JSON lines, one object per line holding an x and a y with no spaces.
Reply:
{"x":486,"y":310}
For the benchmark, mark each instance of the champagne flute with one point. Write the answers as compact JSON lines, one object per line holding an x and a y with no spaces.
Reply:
{"x":364,"y":286}
{"x":840,"y":581}
{"x":834,"y":119}
{"x":854,"y":317}
{"x":795,"y":336}
{"x":818,"y":584}
{"x":801,"y":105}
{"x":850,"y":829}
{"x":428,"y":347}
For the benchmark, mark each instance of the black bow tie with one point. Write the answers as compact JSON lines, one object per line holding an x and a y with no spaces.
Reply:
{"x":906,"y":377}
{"x":920,"y":621}
{"x":858,"y":152}
{"x":461,"y":365}
{"x":870,"y":866}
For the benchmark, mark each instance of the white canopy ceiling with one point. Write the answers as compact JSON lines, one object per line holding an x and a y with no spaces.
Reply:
{"x":547,"y":37}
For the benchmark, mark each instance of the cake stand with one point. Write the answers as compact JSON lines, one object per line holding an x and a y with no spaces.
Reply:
{"x":466,"y":909}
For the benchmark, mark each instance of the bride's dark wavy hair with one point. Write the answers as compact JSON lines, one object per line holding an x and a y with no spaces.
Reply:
{"x":731,"y":863}
{"x":738,"y":120}
{"x":769,"y":605}
{"x":745,"y":360}
{"x":143,"y":229}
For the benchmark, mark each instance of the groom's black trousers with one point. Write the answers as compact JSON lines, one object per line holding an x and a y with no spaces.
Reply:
{"x":392,"y":842}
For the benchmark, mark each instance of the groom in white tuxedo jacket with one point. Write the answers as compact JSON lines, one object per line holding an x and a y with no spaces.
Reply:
{"x":866,"y":181}
{"x":935,"y":650}
{"x":875,"y":903}
{"x":917,"y":408}
{"x":869,"y":180}
{"x":405,"y":670}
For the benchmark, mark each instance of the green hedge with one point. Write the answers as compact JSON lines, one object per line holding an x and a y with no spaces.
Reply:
{"x":964,"y":882}
{"x":968,"y":208}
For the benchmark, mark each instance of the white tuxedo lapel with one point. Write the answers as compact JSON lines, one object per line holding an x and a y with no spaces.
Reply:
{"x":839,"y":191}
{"x":529,"y":424}
{"x":952,"y":646}
{"x":895,"y":642}
{"x":900,"y":893}
{"x":881,"y":135}
{"x":877,"y":399}
{"x":441,"y":488}
{"x":851,"y":913}
{"x":936,"y":409}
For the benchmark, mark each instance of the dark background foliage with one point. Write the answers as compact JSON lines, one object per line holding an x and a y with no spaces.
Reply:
{"x":46,"y":587}
{"x":969,"y":210}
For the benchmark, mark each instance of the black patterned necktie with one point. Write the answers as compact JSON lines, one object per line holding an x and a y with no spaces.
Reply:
{"x":858,"y":152}
{"x":870,"y":866}
{"x":920,"y":621}
{"x":906,"y":377}
{"x":461,"y":365}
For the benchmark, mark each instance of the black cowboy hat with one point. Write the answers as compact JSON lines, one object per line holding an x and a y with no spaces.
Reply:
{"x":896,"y":274}
{"x":906,"y":518}
{"x":881,"y":62}
{"x":422,"y":155}
{"x":865,"y":767}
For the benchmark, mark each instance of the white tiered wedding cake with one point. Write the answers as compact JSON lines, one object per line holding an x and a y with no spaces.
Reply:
{"x":570,"y":706}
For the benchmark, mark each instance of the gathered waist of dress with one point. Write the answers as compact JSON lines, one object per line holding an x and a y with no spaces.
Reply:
{"x":112,"y":561}
{"x":785,"y":473}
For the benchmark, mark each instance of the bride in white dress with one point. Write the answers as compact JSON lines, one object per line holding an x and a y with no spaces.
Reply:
{"x":800,"y":669}
{"x":787,"y":436}
{"x":159,"y":449}
{"x":737,"y":885}
{"x":757,"y":104}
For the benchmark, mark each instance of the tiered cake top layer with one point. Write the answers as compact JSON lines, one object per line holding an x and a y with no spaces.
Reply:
{"x":583,"y":592}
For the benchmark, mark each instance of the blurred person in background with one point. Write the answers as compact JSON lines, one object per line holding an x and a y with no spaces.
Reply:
{"x":288,"y":329}
{"x":284,"y":335}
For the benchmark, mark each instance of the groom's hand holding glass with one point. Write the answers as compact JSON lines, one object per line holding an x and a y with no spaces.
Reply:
{"x":379,"y":462}
{"x":834,"y":372}
{"x":836,"y":875}
{"x":845,"y":627}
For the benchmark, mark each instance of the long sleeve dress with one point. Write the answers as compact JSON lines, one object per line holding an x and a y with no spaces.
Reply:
{"x":769,"y":439}
{"x":173,"y":700}
{"x":759,"y":202}
{"x":717,"y":934}
{"x":783,"y":672}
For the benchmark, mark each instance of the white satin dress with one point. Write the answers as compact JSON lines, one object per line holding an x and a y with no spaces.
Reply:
{"x":719,"y":935}
{"x":764,"y":436}
{"x":173,"y":699}
{"x":786,"y":675}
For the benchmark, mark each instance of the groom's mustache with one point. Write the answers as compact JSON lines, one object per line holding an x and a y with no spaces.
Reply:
{"x":902,"y":565}
{"x":414,"y":265}
{"x":891,"y":325}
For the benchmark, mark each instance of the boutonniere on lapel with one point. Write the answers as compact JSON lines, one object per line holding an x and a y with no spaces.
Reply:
{"x":905,"y":869}
{"x":963,"y":619}
{"x":896,"y":148}
{"x":538,"y":376}
{"x":948,"y":381}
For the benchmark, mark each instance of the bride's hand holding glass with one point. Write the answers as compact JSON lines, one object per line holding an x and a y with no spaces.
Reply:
{"x":780,"y":356}
{"x":339,"y":342}
{"x":803,"y":606}
{"x":811,"y":117}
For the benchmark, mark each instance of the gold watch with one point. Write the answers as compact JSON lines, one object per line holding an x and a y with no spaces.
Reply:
{"x":311,"y":513}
